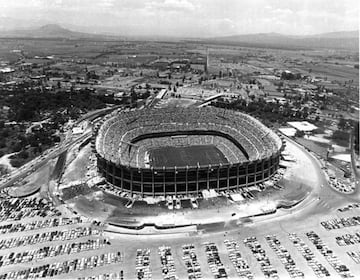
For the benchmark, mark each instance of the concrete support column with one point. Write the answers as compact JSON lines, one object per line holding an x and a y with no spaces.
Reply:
{"x":164,"y":180}
{"x":208,"y":183}
{"x":131,"y":181}
{"x":197,"y":179}
{"x":142,"y":183}
{"x":255,"y":172}
{"x":186,"y":180}
{"x":175,"y":181}
{"x":228,"y":179}
{"x":152,"y":182}
{"x":122,"y":178}
{"x":237,"y":176}
{"x":247,"y":175}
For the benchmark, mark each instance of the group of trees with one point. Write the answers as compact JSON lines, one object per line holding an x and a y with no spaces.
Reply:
{"x":346,"y":124}
{"x":290,"y":76}
{"x":356,"y":140}
{"x":33,"y":105}
{"x":342,"y":135}
{"x":268,"y":112}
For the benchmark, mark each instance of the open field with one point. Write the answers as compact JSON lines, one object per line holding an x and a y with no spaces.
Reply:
{"x":334,"y":72}
{"x":33,"y":182}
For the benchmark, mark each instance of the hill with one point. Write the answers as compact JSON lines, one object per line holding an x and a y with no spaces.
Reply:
{"x":50,"y":31}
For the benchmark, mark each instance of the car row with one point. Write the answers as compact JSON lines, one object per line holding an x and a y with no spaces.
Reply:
{"x":241,"y":266}
{"x":341,"y":223}
{"x":33,"y":225}
{"x":142,"y":266}
{"x":16,"y":209}
{"x":60,"y":268}
{"x":284,"y":256}
{"x":213,"y":259}
{"x":318,"y":268}
{"x":57,"y":235}
{"x":191,"y":261}
{"x":348,"y":239}
{"x":52,"y":251}
{"x":333,"y":260}
{"x":340,"y":186}
{"x":355,"y":256}
{"x":105,"y":276}
{"x":349,"y":207}
{"x":167,"y":263}
{"x":259,"y":253}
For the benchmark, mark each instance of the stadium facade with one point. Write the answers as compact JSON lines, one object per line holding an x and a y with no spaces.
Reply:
{"x":124,"y":141}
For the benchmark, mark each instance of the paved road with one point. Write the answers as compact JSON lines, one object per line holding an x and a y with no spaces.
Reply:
{"x":40,"y":162}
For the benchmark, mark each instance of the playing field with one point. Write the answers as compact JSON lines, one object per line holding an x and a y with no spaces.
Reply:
{"x":183,"y":156}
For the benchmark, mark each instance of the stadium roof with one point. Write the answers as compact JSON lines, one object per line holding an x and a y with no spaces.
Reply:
{"x":303,"y":126}
{"x":288,"y":131}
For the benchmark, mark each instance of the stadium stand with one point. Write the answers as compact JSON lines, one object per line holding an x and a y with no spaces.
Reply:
{"x":124,"y":139}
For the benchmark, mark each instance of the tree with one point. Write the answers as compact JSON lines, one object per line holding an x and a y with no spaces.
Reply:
{"x":23,"y":154}
{"x":16,"y":147}
{"x":341,"y":138}
{"x":342,"y":124}
{"x":299,"y":133}
{"x":133,"y":96}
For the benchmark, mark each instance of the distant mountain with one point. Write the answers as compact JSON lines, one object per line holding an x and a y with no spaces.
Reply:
{"x":8,"y":23}
{"x":50,"y":31}
{"x":336,"y":40}
{"x":339,"y":34}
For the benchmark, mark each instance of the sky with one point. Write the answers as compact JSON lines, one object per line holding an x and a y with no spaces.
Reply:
{"x":185,"y":18}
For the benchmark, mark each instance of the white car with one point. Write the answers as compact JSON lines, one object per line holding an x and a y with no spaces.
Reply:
{"x":170,"y":205}
{"x":177,"y":204}
{"x":194,"y":203}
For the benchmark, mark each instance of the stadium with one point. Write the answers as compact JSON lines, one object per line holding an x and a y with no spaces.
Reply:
{"x":183,"y":151}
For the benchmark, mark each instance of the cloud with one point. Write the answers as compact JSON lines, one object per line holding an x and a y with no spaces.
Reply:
{"x":106,"y":3}
{"x":172,"y":5}
{"x":190,"y":17}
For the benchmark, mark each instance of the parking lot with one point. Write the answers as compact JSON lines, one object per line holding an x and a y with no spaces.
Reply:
{"x":214,"y":261}
{"x":331,"y":258}
{"x":241,"y":265}
{"x":37,"y":240}
{"x":341,"y":223}
{"x":77,"y":249}
{"x":318,"y":268}
{"x":285,"y":257}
